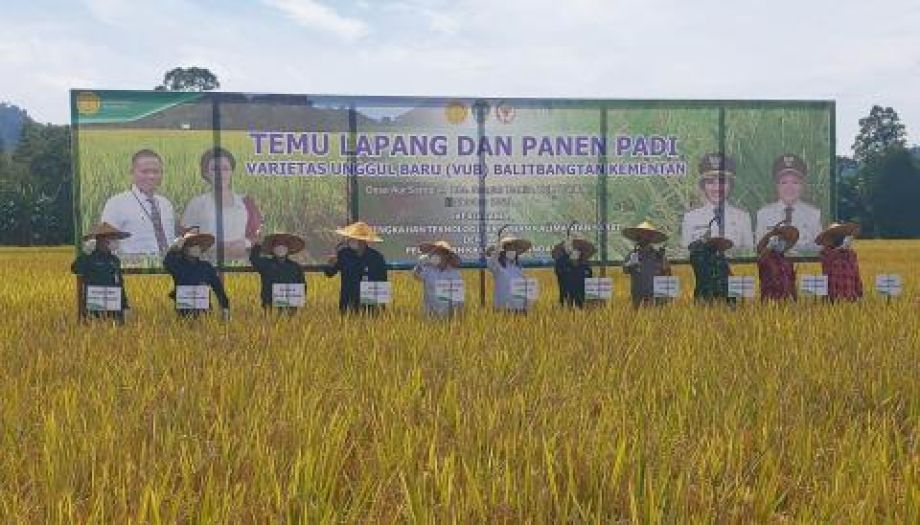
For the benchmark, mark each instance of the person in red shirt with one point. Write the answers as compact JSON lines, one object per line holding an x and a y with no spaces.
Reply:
{"x":839,"y":263}
{"x":777,"y":274}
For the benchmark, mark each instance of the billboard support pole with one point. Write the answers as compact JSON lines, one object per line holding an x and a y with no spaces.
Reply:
{"x":480,"y":111}
{"x":218,"y":183}
{"x":721,"y":207}
{"x":75,"y":173}
{"x":602,"y":210}
{"x":353,"y":197}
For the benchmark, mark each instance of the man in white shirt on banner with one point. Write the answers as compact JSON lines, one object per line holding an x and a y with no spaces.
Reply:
{"x":789,"y":174}
{"x":141,"y":211}
{"x":716,"y":213}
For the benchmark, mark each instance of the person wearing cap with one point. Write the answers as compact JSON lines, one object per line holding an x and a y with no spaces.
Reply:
{"x":790,"y":174}
{"x":184,"y":263}
{"x":645,"y":262}
{"x":710,"y":267}
{"x":356,"y":261}
{"x":240,"y":215}
{"x":277,"y":268}
{"x":777,"y":273}
{"x":571,"y":267}
{"x":438,"y":262}
{"x":503,"y":262}
{"x":716,"y":181}
{"x":839,"y":262}
{"x":98,"y":266}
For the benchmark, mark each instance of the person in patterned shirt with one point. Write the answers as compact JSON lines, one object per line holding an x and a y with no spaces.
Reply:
{"x":839,"y":262}
{"x":710,"y":267}
{"x":777,"y":274}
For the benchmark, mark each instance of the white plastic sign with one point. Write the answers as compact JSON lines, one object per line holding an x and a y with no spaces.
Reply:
{"x":449,"y":291}
{"x":815,"y":285}
{"x":524,"y":291}
{"x":666,"y":287}
{"x":741,"y":286}
{"x":288,"y":295}
{"x":598,"y":288}
{"x":888,"y":285}
{"x":103,"y":298}
{"x":193,"y":297}
{"x":374,"y":293}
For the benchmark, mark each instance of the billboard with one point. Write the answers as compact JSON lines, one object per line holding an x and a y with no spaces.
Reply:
{"x":460,"y":169}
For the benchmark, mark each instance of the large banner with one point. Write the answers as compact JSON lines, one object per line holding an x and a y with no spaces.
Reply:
{"x":422,"y":169}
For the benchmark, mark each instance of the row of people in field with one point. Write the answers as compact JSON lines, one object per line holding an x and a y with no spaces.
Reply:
{"x":356,"y":261}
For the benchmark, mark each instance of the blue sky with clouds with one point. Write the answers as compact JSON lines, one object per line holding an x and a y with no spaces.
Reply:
{"x":856,"y":52}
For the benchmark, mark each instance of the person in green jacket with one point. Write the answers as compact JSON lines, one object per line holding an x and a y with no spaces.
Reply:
{"x":98,"y":266}
{"x":277,"y":268}
{"x":710,"y":267}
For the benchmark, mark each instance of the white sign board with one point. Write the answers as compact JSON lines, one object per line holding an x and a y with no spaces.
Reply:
{"x":666,"y":287}
{"x":288,"y":295}
{"x":103,"y":298}
{"x":815,"y":285}
{"x":449,"y":291}
{"x":888,"y":285}
{"x":598,"y":288}
{"x":193,"y":297}
{"x":741,"y":286}
{"x":524,"y":291}
{"x":374,"y":293}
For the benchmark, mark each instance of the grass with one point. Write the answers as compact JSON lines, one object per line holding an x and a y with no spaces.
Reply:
{"x":791,"y":413}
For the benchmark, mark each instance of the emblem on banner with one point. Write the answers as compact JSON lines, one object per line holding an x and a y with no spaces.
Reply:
{"x":504,"y":112}
{"x":88,"y":103}
{"x":456,"y":112}
{"x":789,"y":161}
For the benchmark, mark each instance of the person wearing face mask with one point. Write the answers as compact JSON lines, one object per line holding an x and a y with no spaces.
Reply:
{"x":571,"y":267}
{"x":710,"y":267}
{"x":98,"y":266}
{"x":184,"y":263}
{"x":777,"y":273}
{"x":278,"y":268}
{"x":356,"y":261}
{"x":438,"y":262}
{"x":503,"y":262}
{"x":645,"y":262}
{"x":839,"y":262}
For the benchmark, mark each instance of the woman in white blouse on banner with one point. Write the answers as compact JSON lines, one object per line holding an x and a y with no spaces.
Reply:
{"x":241,"y":216}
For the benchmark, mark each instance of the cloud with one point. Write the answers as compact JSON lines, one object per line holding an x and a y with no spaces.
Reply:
{"x":313,"y":15}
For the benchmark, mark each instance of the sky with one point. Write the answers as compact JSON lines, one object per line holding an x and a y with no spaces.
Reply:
{"x":858,"y":53}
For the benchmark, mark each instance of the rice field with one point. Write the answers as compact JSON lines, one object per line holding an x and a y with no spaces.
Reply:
{"x":805,"y":413}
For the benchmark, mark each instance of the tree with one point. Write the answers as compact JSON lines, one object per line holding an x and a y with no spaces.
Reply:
{"x":188,"y":79}
{"x":895,"y":193}
{"x":881,"y":130}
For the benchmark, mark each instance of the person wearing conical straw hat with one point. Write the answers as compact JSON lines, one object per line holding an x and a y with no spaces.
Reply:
{"x":356,"y":261}
{"x":98,"y":266}
{"x":277,"y":268}
{"x":777,"y":273}
{"x":438,"y":262}
{"x":645,"y":262}
{"x":839,"y":262}
{"x":710,"y":267}
{"x":570,"y":259}
{"x":502,"y":260}
{"x":184,"y":262}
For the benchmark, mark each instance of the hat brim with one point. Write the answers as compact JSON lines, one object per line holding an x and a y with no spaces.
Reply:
{"x":452,"y":258}
{"x":788,"y":171}
{"x":293,"y":242}
{"x":205,"y":240}
{"x":790,"y":234}
{"x":112,"y":236}
{"x":715,"y":174}
{"x":645,"y":234}
{"x":836,"y":232}
{"x":517,"y":245}
{"x":720,"y":243}
{"x":357,"y":236}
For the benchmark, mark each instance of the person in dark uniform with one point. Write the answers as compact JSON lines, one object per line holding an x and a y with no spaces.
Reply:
{"x":277,"y":268}
{"x":710,"y":267}
{"x":184,"y":263}
{"x":98,"y":266}
{"x":571,"y":267}
{"x":357,"y":262}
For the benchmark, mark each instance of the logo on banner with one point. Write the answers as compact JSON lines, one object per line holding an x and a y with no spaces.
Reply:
{"x":504,"y":112}
{"x":88,"y":103}
{"x":456,"y":112}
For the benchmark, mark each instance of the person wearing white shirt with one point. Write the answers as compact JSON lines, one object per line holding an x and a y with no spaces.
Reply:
{"x":141,"y":212}
{"x":241,"y":217}
{"x":438,"y":262}
{"x":729,"y":222}
{"x":505,"y":267}
{"x":789,"y":174}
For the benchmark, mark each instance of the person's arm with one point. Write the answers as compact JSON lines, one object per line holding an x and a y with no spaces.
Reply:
{"x":255,"y":257}
{"x":78,"y":266}
{"x":218,"y":286}
{"x":254,"y":219}
{"x":334,"y":265}
{"x":381,"y":268}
